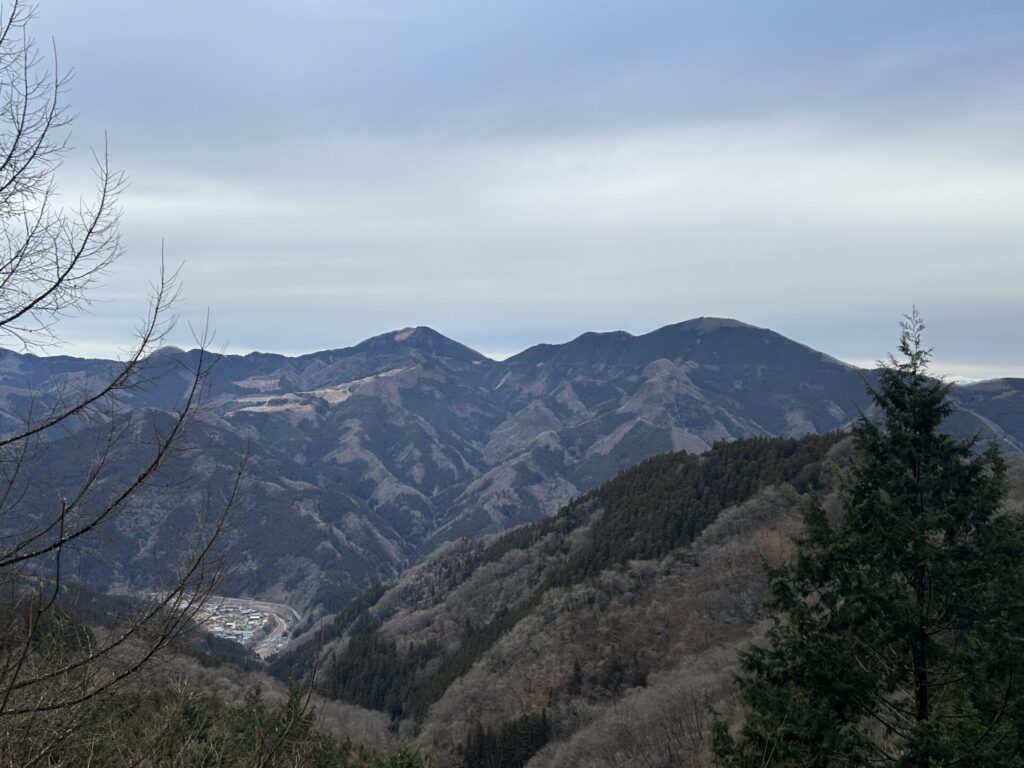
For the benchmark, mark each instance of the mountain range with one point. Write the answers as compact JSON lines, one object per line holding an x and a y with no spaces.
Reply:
{"x":365,"y":459}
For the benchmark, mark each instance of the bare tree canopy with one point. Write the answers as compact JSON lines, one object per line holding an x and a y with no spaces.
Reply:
{"x":51,"y":255}
{"x":54,"y":667}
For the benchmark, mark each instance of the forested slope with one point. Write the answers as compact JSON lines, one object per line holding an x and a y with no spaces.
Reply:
{"x":539,"y":634}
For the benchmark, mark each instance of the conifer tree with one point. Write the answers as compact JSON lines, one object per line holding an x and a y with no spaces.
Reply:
{"x":898,"y":632}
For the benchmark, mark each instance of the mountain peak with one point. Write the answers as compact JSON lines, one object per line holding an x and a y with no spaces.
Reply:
{"x":419,"y":338}
{"x":714,"y":340}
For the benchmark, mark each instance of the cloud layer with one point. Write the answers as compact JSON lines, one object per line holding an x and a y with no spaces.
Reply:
{"x":519,"y":172}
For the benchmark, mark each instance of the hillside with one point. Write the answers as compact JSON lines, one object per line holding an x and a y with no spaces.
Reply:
{"x":616,"y":621}
{"x":365,"y":459}
{"x":580,"y":613}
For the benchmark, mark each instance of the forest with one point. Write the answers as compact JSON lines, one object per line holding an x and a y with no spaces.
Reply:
{"x":645,"y":512}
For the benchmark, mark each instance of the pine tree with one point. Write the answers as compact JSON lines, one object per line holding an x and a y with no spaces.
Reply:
{"x":898,"y":633}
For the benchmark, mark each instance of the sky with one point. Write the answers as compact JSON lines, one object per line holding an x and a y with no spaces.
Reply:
{"x":511,"y":173}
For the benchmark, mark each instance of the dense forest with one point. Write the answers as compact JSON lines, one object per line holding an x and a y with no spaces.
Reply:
{"x":645,"y":512}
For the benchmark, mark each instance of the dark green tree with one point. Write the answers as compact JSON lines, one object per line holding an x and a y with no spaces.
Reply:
{"x":511,"y":746}
{"x":898,"y":632}
{"x":575,"y":684}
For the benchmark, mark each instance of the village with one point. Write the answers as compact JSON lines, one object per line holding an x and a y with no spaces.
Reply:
{"x":258,"y":625}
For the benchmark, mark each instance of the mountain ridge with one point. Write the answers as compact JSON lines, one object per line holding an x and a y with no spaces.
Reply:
{"x":366,"y":458}
{"x":702,"y":325}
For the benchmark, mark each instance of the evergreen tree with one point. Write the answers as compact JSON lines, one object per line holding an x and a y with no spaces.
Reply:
{"x":575,"y":684}
{"x":511,"y":746}
{"x":898,"y":633}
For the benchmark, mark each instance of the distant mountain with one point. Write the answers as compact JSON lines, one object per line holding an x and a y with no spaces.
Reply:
{"x":367,"y":458}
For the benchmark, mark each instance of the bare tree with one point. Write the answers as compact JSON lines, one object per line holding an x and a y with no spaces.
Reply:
{"x":53,"y":668}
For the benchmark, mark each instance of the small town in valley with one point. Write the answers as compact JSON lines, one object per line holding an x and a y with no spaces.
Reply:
{"x":258,"y":625}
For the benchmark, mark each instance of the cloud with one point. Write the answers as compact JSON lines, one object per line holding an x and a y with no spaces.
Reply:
{"x":521,"y":172}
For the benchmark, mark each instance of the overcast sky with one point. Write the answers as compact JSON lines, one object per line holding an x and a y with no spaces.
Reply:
{"x":517,"y":172}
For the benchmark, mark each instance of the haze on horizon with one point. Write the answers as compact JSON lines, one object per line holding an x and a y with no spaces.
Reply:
{"x":516,"y":173}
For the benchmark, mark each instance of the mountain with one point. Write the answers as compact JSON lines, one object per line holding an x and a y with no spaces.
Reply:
{"x":365,"y":459}
{"x":617,"y":621}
